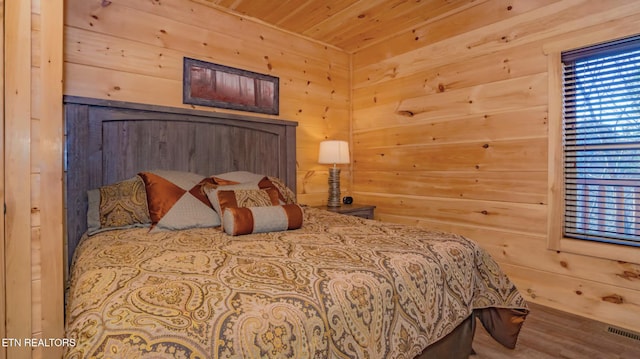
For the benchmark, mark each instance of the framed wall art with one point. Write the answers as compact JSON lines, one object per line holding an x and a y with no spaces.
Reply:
{"x":214,"y":85}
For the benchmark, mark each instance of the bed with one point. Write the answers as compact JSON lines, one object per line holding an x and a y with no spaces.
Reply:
{"x":278,"y":279}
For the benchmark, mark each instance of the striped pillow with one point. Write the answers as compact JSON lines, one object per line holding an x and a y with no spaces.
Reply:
{"x":245,"y":220}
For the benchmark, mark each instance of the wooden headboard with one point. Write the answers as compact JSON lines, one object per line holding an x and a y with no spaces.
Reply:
{"x":109,"y":141}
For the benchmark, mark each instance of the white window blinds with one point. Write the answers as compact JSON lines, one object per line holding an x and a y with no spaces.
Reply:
{"x":602,"y":142}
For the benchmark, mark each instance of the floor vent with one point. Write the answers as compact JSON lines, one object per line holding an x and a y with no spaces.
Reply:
{"x":624,"y":333}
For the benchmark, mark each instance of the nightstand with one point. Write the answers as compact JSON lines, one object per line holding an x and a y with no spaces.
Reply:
{"x":358,"y":210}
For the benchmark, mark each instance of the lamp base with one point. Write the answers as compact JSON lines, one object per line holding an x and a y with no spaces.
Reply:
{"x":334,"y":187}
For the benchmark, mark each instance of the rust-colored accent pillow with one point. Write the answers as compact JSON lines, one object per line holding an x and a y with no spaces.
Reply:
{"x":177,"y":200}
{"x":211,"y":183}
{"x":246,"y":220}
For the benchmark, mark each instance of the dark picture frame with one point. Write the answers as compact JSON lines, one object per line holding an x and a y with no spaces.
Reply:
{"x":209,"y":84}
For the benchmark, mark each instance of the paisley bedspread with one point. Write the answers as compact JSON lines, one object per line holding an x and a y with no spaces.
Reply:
{"x":339,"y":287}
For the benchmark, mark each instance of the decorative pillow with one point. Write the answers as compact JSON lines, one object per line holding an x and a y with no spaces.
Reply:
{"x":242,"y":195}
{"x":211,"y":183}
{"x":238,"y":221}
{"x":117,"y":206}
{"x":177,"y":200}
{"x":285,"y":194}
{"x":241,"y":176}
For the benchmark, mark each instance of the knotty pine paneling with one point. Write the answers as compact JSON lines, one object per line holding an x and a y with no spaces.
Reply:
{"x":51,"y":145}
{"x":523,"y":155}
{"x":17,"y":114}
{"x":450,"y":131}
{"x":173,"y":27}
{"x":518,"y":124}
{"x":44,"y":148}
{"x":482,"y":99}
{"x":3,"y":317}
{"x":381,"y":88}
{"x":35,"y":33}
{"x":517,"y":187}
{"x":133,"y":51}
{"x":285,"y":17}
{"x":84,"y":46}
{"x":128,"y":51}
{"x":503,"y":32}
{"x":253,"y":33}
{"x":483,"y":13}
{"x":492,"y":214}
{"x":396,"y":14}
{"x":429,"y":98}
{"x":489,"y":97}
{"x":587,"y":296}
{"x":105,"y":83}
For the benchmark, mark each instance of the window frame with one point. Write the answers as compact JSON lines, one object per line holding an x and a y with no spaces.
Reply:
{"x":555,"y":221}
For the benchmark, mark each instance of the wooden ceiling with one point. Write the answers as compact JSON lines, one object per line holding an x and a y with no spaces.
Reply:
{"x":346,"y":24}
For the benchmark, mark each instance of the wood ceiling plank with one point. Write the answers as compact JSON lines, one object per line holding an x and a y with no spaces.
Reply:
{"x":305,"y":16}
{"x":263,"y":9}
{"x":346,"y":24}
{"x":388,"y":20}
{"x":357,"y":16}
{"x":229,"y":4}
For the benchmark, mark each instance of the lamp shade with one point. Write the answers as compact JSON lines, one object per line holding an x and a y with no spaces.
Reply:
{"x":334,"y":152}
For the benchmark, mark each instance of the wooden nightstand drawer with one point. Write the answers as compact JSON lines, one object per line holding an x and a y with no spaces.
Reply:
{"x":358,"y":210}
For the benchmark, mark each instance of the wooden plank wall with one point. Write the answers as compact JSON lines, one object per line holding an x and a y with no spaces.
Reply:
{"x":3,"y":329}
{"x":17,"y":99}
{"x":133,"y":51}
{"x":449,"y":127}
{"x":450,"y":131}
{"x":32,"y":254}
{"x":48,"y":164}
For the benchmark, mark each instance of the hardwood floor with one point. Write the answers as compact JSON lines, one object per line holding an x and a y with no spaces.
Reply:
{"x":548,"y":333}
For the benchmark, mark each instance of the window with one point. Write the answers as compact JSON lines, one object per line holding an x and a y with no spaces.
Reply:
{"x":601,"y":142}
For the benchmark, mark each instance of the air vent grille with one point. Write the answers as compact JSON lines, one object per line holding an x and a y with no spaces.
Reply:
{"x":624,"y":333}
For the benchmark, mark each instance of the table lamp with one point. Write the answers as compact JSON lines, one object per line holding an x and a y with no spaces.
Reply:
{"x":334,"y":152}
